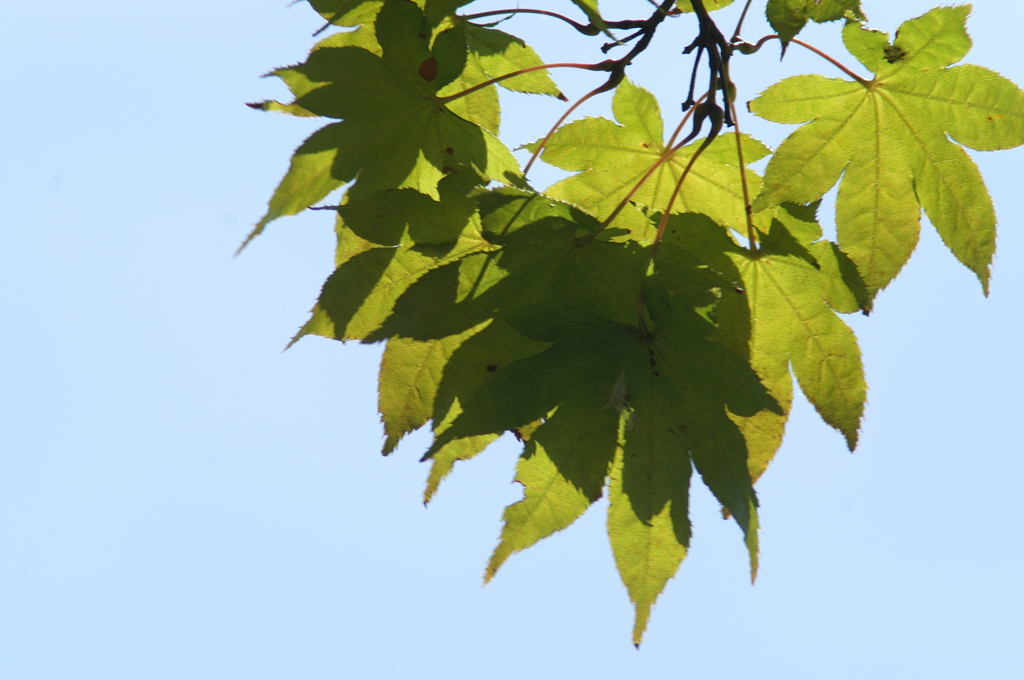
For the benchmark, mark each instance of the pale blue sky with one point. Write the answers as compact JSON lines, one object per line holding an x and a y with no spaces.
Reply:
{"x":180,"y":500}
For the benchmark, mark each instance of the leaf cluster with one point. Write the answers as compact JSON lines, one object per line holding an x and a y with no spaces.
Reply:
{"x":643,"y":319}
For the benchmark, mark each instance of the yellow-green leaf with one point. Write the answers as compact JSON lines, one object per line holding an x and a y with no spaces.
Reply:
{"x":889,"y":139}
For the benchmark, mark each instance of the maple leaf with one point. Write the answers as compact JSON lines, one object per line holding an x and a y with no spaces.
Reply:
{"x":490,"y":53}
{"x":612,"y":158}
{"x":350,"y":12}
{"x":781,"y":315}
{"x":499,"y":53}
{"x":888,"y":139}
{"x":667,"y":391}
{"x":547,"y":253}
{"x":424,"y":380}
{"x":481,"y":354}
{"x":542,"y":257}
{"x":389,"y":240}
{"x":624,"y":358}
{"x":346,"y":12}
{"x":385,"y":102}
{"x":788,"y":17}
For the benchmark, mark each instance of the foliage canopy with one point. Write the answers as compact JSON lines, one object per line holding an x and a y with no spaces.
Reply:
{"x":645,"y":316}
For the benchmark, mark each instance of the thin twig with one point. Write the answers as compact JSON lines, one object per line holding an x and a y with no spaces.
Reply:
{"x":682,"y":123}
{"x":739,"y":24}
{"x":623,"y":41}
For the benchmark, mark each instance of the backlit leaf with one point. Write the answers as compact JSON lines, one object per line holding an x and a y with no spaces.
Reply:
{"x":788,"y":17}
{"x":611,"y":159}
{"x":499,"y":53}
{"x":397,"y":109}
{"x":890,"y":140}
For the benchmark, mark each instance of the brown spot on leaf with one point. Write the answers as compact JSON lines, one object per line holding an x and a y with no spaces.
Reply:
{"x":492,"y":368}
{"x":894,"y":53}
{"x":428,"y":69}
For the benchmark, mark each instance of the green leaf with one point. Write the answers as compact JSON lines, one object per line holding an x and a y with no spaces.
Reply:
{"x":589,"y":8}
{"x":890,"y":140}
{"x":788,"y":17}
{"x":563,"y":470}
{"x":481,"y":107}
{"x":438,"y":10}
{"x":410,"y":373}
{"x":672,"y":386}
{"x":346,"y":12}
{"x":468,"y":367}
{"x":584,"y":367}
{"x":648,"y":546}
{"x":388,"y":102}
{"x":546,"y":255}
{"x":444,"y":460}
{"x":409,"y":235}
{"x":363,"y":37}
{"x":782,"y":318}
{"x":624,"y":356}
{"x":424,"y":380}
{"x":686,"y":6}
{"x":678,"y":394}
{"x":499,"y":53}
{"x":611,"y":159}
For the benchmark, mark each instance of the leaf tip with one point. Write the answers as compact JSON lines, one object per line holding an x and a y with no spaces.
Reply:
{"x":389,"y":444}
{"x":431,"y":490}
{"x":257,"y":230}
{"x":643,"y":613}
{"x":298,"y":336}
{"x":754,"y":561}
{"x":498,"y":557}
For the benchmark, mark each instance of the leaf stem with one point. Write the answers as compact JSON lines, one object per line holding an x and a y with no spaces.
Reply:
{"x":604,"y":87}
{"x":747,"y":210}
{"x":716,"y":126}
{"x":601,"y":66}
{"x":739,"y":24}
{"x":617,"y":70}
{"x":682,"y":124}
{"x":670,"y":151}
{"x":717,"y":116}
{"x":832,"y":60}
{"x":750,"y":48}
{"x":585,"y":29}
